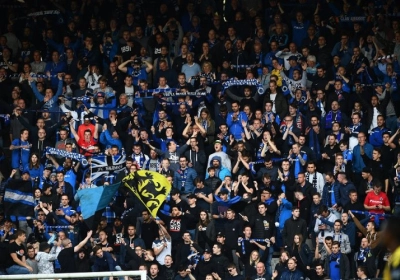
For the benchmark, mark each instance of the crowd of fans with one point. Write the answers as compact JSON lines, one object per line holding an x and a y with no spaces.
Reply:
{"x":276,"y":123}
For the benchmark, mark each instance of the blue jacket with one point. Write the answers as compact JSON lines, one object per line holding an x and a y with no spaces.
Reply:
{"x":283,"y":213}
{"x":106,"y":108}
{"x":222,"y":172}
{"x":358,"y":163}
{"x":327,"y":192}
{"x":106,"y":263}
{"x":61,"y":48}
{"x":185,"y":183}
{"x":299,"y":31}
{"x":344,"y":191}
{"x":235,"y":127}
{"x":375,"y":137}
{"x":20,"y":157}
{"x":54,"y":69}
{"x":107,"y":140}
{"x":345,"y":56}
{"x":289,"y":275}
{"x":52,"y":103}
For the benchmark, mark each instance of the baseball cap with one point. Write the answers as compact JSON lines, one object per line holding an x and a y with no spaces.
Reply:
{"x":49,"y":167}
{"x":137,"y":61}
{"x":100,"y":94}
{"x":217,"y":141}
{"x":26,"y":171}
{"x":220,"y":234}
{"x":207,"y":251}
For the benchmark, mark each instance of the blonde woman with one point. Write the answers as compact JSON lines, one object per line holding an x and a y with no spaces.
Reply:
{"x":250,"y":266}
{"x":206,"y":125}
{"x":301,"y":252}
{"x":206,"y":70}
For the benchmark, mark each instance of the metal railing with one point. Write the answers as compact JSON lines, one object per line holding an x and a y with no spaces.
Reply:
{"x":141,"y":273}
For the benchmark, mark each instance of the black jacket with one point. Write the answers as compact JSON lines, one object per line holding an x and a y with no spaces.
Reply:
{"x":221,"y":262}
{"x":203,"y":268}
{"x":291,"y":228}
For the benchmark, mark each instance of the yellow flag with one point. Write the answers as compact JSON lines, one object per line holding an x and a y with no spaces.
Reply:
{"x":150,"y":187}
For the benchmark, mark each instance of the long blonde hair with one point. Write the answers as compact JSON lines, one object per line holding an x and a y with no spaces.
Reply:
{"x":208,"y":119}
{"x":251,"y":259}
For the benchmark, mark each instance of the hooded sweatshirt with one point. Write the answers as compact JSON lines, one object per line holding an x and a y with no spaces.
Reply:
{"x":221,"y":172}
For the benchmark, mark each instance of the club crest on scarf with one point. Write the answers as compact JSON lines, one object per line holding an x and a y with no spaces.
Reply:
{"x":150,"y":187}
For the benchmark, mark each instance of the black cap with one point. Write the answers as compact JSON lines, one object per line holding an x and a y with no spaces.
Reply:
{"x":49,"y":167}
{"x":137,"y":61}
{"x":207,"y":251}
{"x":220,"y":234}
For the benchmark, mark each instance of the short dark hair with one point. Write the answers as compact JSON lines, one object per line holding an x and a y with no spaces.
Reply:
{"x":96,"y":248}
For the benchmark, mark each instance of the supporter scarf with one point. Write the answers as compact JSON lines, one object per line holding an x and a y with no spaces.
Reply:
{"x":183,"y":174}
{"x":204,"y":124}
{"x":362,"y":256}
{"x":62,"y":153}
{"x":298,"y":121}
{"x":314,"y":143}
{"x":141,"y":159}
{"x":251,"y":82}
{"x":339,"y":94}
{"x":259,"y":150}
{"x":335,"y":257}
{"x":314,"y":182}
{"x":329,"y":118}
{"x":394,"y":83}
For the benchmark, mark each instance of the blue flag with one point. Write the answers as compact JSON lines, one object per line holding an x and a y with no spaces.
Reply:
{"x":95,"y":199}
{"x":18,"y":199}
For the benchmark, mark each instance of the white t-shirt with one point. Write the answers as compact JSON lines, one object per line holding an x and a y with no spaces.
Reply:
{"x":272,"y":96}
{"x":166,"y":251}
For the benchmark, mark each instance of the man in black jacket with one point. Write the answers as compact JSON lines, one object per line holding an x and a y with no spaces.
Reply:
{"x":205,"y":266}
{"x":221,"y":262}
{"x":294,"y":225}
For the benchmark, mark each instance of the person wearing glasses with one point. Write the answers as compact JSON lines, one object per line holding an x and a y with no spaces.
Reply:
{"x":233,"y":273}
